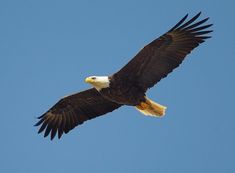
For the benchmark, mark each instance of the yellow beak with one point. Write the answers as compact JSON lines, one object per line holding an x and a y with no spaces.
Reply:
{"x":88,"y":80}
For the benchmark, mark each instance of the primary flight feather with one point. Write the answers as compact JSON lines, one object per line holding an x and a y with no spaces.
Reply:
{"x":129,"y":85}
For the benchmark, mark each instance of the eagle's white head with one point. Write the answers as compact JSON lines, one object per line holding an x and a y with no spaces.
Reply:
{"x":99,"y":82}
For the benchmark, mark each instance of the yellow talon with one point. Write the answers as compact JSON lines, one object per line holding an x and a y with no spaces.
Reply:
{"x":151,"y":108}
{"x":144,"y":105}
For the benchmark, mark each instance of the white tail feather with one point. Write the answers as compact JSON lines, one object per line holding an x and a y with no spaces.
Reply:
{"x":151,"y":108}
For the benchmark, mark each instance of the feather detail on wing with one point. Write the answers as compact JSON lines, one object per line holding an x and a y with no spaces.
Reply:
{"x":74,"y":110}
{"x":157,"y":59}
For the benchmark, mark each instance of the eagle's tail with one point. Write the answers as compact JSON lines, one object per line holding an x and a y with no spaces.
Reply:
{"x":151,"y":108}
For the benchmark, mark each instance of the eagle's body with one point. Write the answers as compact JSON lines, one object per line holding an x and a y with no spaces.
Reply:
{"x":128,"y":86}
{"x":130,"y":95}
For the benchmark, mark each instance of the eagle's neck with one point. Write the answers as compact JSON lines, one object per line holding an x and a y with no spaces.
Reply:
{"x":99,"y":82}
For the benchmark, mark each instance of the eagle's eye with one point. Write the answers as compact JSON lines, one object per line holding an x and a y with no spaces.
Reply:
{"x":93,"y":78}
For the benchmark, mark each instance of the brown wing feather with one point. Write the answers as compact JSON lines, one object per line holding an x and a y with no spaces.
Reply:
{"x":164,"y":54}
{"x":74,"y":110}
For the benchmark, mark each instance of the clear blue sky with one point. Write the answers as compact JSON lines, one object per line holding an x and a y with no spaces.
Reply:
{"x":47,"y":48}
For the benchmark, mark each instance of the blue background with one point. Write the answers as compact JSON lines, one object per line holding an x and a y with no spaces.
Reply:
{"x":47,"y":48}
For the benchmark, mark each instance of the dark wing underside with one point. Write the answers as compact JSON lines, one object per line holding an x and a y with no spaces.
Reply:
{"x":164,"y":54}
{"x":74,"y":110}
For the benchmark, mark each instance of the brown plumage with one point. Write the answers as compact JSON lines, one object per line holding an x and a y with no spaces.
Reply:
{"x":156,"y":60}
{"x":128,"y":86}
{"x":74,"y":110}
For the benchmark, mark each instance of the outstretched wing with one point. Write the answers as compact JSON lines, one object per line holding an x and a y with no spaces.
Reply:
{"x":164,"y":54}
{"x":74,"y":110}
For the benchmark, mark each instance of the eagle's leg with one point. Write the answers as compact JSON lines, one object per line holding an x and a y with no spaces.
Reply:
{"x":149,"y":107}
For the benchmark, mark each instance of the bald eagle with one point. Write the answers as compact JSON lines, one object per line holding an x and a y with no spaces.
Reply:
{"x":128,"y":86}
